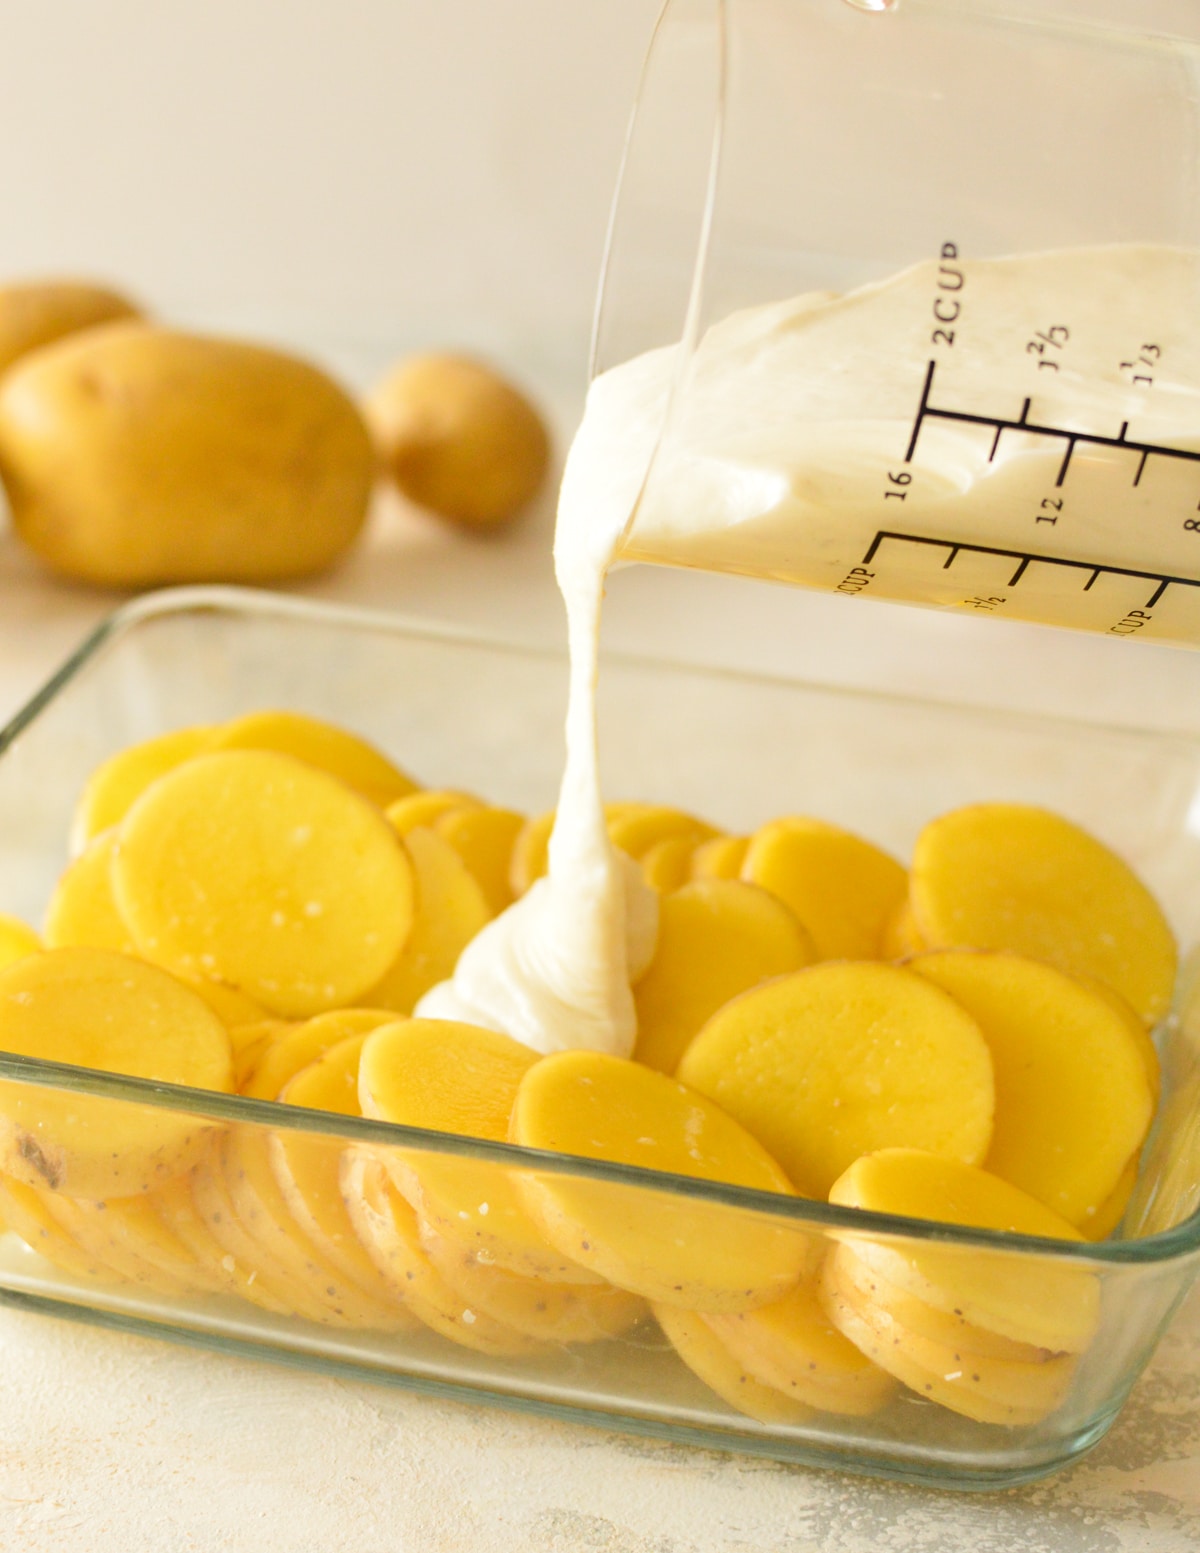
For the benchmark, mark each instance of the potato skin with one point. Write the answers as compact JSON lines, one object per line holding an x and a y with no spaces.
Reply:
{"x":135,"y":455}
{"x":458,"y":439}
{"x":36,"y":313}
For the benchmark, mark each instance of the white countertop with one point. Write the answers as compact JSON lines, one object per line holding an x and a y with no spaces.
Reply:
{"x":113,"y":1444}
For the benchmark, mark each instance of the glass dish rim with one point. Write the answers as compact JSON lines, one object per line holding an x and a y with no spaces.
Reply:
{"x":1176,"y":1243}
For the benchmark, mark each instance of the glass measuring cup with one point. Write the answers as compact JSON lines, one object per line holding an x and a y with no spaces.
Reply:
{"x":904,"y":301}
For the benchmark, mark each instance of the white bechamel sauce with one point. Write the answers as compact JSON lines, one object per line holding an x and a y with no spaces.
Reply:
{"x":787,"y":427}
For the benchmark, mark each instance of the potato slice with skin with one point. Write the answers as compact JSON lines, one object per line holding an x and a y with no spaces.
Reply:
{"x":461,"y":1079}
{"x":1010,"y":876}
{"x":307,"y":1169}
{"x":118,"y":782}
{"x":423,"y":808}
{"x":250,"y":868}
{"x":136,"y":1225}
{"x":1072,"y":1099}
{"x":1041,"y":1301}
{"x":450,"y":910}
{"x":692,"y":1254}
{"x":842,"y":1059}
{"x":387,"y":1227}
{"x":102,"y":1010}
{"x":16,"y":940}
{"x":720,"y":858}
{"x":36,"y":313}
{"x":92,"y":1232}
{"x":181,"y":1216}
{"x":83,"y":910}
{"x":297,"y":1045}
{"x":793,"y":1346}
{"x":483,"y":837}
{"x":1112,"y":1210}
{"x":716,"y":939}
{"x":324,"y":745}
{"x":710,"y":1361}
{"x":551,"y":1312}
{"x":842,"y":889}
{"x":24,"y":1211}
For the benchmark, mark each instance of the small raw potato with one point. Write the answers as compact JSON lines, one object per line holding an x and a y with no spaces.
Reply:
{"x":689,"y":1253}
{"x":458,"y":439}
{"x":17,"y":940}
{"x":450,"y":909}
{"x":1073,"y":1100}
{"x":711,"y":1361}
{"x":344,"y":755}
{"x":114,"y":785}
{"x":102,"y":1010}
{"x":251,"y":868}
{"x":461,"y":1079}
{"x":1009,"y":876}
{"x":36,"y":313}
{"x":716,"y":939}
{"x":842,"y":1059}
{"x":1039,"y":1301}
{"x":840,"y":887}
{"x":793,"y":1346}
{"x":483,"y":837}
{"x":135,"y":456}
{"x":83,"y":910}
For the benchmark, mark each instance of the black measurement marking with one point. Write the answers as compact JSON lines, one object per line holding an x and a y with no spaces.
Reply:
{"x":1026,"y":558}
{"x":927,"y":411}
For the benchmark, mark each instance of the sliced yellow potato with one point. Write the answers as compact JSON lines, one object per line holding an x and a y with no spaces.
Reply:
{"x":793,"y":1346}
{"x":24,"y":1211}
{"x":841,"y":888}
{"x":551,"y":1312}
{"x":720,"y":858}
{"x":1073,"y":1103}
{"x":484,"y":838}
{"x":109,"y":1011}
{"x":83,"y":910}
{"x":900,"y":936}
{"x":693,"y":1254}
{"x":233,"y":1008}
{"x":716,"y":938}
{"x":708,"y":1358}
{"x":250,"y":868}
{"x":93,"y":1233}
{"x":1043,"y":1301}
{"x":176,"y":1206}
{"x":1112,"y":1210}
{"x":114,"y":786}
{"x":635,"y":828}
{"x":387,"y":1228}
{"x":295,"y":1046}
{"x":343,"y":755}
{"x":450,"y":909}
{"x":459,"y":1079}
{"x":531,"y":852}
{"x":1009,"y":876}
{"x":844,"y":1058}
{"x":668,"y":863}
{"x":16,"y":940}
{"x":136,"y":1226}
{"x":423,"y":808}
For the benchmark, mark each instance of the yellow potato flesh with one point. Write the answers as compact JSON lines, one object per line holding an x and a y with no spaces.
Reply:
{"x":716,"y":938}
{"x":16,"y":940}
{"x":233,"y":1274}
{"x":423,"y":808}
{"x":250,"y":868}
{"x":697,"y":1255}
{"x":233,"y":1008}
{"x":307,"y":1166}
{"x":1043,"y":1301}
{"x":793,"y":1346}
{"x":667,"y":865}
{"x":636,"y":828}
{"x":94,"y":1233}
{"x":459,"y":1079}
{"x":900,"y":936}
{"x":102,"y":1010}
{"x":842,"y":889}
{"x":1009,"y":876}
{"x":24,"y":1211}
{"x":387,"y":1227}
{"x":1072,"y":1100}
{"x":841,"y":1059}
{"x":83,"y":910}
{"x":1112,"y":1210}
{"x":118,"y":782}
{"x":720,"y":858}
{"x":135,"y":1226}
{"x":530,"y":853}
{"x":450,"y":909}
{"x":323,"y":745}
{"x":710,"y":1361}
{"x":483,"y":837}
{"x":295,"y":1046}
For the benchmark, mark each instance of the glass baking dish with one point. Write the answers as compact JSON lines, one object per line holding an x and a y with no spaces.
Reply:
{"x":218,"y":1257}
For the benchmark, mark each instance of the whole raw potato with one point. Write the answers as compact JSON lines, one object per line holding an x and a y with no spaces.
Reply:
{"x":36,"y":313}
{"x":134,"y":455}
